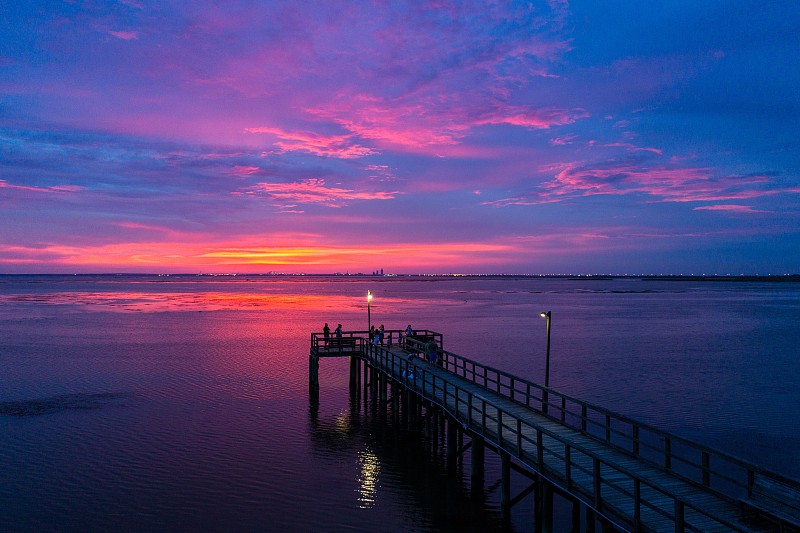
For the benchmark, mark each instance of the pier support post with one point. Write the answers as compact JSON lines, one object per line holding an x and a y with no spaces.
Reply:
{"x":353,"y":372}
{"x":313,"y":374}
{"x":395,"y":391}
{"x":411,"y":409}
{"x":576,"y":516}
{"x":546,"y":506}
{"x":477,"y":467}
{"x":373,"y":382}
{"x":590,"y":520}
{"x":505,"y":482}
{"x":434,"y":418}
{"x":452,"y":445}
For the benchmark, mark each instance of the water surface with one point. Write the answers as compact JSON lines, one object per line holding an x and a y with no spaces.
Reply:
{"x":133,"y":403}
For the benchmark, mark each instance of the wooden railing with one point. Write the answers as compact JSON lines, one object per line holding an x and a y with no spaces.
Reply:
{"x":598,"y":482}
{"x":587,"y":475}
{"x":718,"y":471}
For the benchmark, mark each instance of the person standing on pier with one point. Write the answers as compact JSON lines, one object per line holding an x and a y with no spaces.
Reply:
{"x":381,"y":333}
{"x":326,"y":333}
{"x":338,"y":331}
{"x":408,"y":333}
{"x":433,"y":353}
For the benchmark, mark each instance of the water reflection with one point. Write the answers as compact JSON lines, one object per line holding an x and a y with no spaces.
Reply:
{"x":215,"y":434}
{"x":368,"y":478}
{"x":131,"y":301}
{"x":365,"y":439}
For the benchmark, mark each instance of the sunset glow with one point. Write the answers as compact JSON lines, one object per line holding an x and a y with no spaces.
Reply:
{"x":420,"y":137}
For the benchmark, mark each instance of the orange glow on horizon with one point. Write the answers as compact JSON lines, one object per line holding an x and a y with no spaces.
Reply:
{"x":250,"y":255}
{"x":218,"y":257}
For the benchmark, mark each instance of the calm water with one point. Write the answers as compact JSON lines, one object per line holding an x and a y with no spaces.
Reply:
{"x":181,"y":404}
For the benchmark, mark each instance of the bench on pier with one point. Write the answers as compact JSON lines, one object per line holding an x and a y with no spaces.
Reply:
{"x":775,"y":499}
{"x":337,"y":345}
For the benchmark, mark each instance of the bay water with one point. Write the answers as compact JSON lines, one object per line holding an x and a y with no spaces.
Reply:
{"x":180,"y":403}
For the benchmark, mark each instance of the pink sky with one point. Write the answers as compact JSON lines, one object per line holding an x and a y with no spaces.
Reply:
{"x":526,"y":138}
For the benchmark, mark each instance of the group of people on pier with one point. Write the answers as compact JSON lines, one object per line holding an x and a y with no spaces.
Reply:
{"x":377,"y":336}
{"x":326,"y":332}
{"x":380,"y":337}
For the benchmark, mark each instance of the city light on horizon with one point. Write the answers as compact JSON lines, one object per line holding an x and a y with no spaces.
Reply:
{"x":522,"y":139}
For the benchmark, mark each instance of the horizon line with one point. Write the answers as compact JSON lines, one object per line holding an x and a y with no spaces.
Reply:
{"x":393,"y":275}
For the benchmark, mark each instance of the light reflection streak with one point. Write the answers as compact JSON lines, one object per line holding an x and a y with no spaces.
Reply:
{"x":368,"y":479}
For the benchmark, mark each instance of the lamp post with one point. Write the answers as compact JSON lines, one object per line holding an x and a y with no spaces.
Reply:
{"x":546,"y":314}
{"x":369,"y":317}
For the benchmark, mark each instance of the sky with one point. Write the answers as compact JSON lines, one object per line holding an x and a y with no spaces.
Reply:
{"x":554,"y":137}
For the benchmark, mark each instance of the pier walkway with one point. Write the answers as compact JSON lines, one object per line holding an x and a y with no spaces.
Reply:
{"x":628,"y":475}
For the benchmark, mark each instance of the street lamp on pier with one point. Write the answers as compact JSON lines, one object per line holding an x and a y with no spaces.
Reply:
{"x":369,"y":317}
{"x":546,"y":314}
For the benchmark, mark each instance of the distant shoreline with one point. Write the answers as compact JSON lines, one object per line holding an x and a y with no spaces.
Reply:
{"x":774,"y":278}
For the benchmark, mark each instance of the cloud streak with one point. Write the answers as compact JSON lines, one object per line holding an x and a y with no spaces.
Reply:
{"x":314,"y":191}
{"x":656,"y":183}
{"x":341,"y":146}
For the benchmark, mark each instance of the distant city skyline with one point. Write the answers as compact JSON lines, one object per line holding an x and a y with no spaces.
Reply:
{"x":516,"y":138}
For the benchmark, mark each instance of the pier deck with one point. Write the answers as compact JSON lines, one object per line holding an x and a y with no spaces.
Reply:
{"x":633,"y":476}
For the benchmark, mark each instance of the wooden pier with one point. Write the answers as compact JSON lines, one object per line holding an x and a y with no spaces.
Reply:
{"x":618,"y":473}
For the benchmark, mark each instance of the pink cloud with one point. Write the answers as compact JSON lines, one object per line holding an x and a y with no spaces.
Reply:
{"x":541,"y":118}
{"x":339,"y":146}
{"x":124,"y":35}
{"x":564,"y":140}
{"x":428,"y":124}
{"x":244,"y":170}
{"x":633,"y":148}
{"x":53,"y":189}
{"x":314,"y":191}
{"x":138,"y":228}
{"x":409,"y":125}
{"x":731,"y":208}
{"x":663,"y":184}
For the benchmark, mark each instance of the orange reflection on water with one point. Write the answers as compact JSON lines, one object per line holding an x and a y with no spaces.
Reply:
{"x":195,"y":301}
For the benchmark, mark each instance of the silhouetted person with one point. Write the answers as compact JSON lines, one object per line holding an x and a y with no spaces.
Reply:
{"x":338,"y":331}
{"x":433,"y":353}
{"x":409,"y":332}
{"x":326,"y":333}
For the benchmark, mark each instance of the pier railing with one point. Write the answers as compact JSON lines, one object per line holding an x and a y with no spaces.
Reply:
{"x":673,"y":482}
{"x":323,"y":346}
{"x":622,"y":495}
{"x":723,"y":473}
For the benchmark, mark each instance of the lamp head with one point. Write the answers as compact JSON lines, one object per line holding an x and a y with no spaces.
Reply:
{"x":545,"y":314}
{"x":369,"y":296}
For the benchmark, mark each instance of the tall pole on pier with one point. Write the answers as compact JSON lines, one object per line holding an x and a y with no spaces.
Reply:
{"x":546,"y":314}
{"x":369,"y":317}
